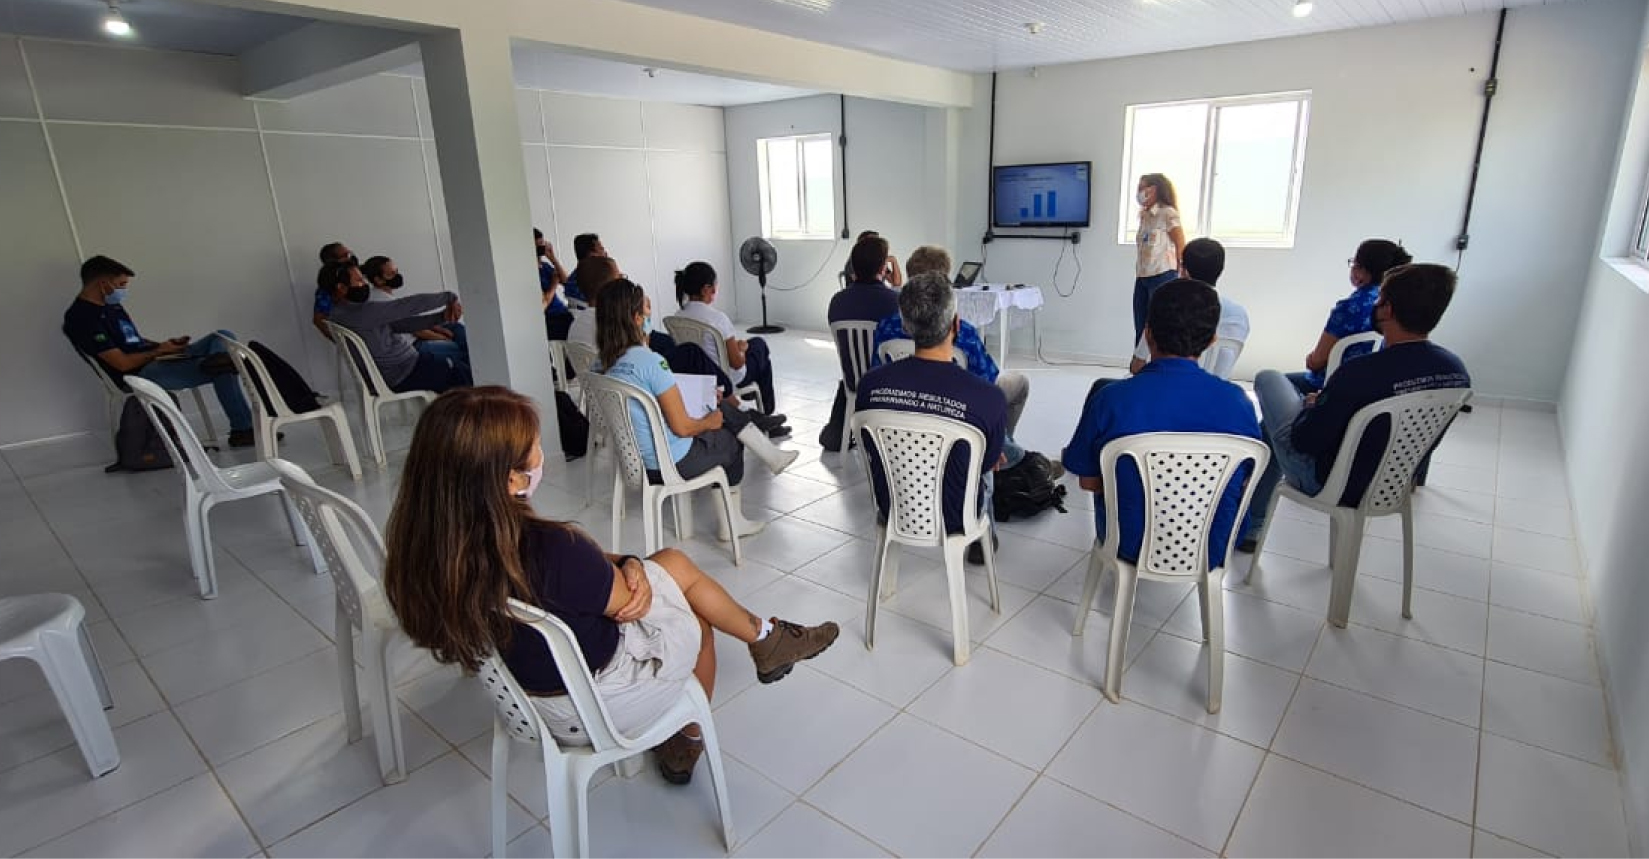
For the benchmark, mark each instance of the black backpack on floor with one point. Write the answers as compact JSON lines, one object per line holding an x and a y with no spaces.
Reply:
{"x":138,"y":445}
{"x":1027,"y":489}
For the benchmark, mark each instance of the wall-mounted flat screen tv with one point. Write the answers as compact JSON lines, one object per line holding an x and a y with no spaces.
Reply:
{"x":1041,"y":195}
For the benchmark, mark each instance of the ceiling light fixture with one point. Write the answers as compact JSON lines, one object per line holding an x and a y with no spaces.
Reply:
{"x":1034,"y":27}
{"x":114,"y":23}
{"x":650,"y":72}
{"x":1302,"y":8}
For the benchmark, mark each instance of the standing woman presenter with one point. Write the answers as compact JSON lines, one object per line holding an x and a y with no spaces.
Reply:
{"x":1161,"y":242}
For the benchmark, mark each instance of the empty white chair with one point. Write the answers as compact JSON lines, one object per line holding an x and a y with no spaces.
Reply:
{"x":205,"y":485}
{"x":901,"y":348}
{"x":853,"y":341}
{"x":348,"y":546}
{"x":50,"y":631}
{"x":375,"y":392}
{"x":274,"y":413}
{"x":1416,"y":422}
{"x":1337,"y":355}
{"x":584,"y":358}
{"x":115,"y":398}
{"x":688,"y":330}
{"x":1220,"y":358}
{"x":913,"y":449}
{"x":611,"y":398}
{"x":567,"y":770}
{"x":1184,"y":476}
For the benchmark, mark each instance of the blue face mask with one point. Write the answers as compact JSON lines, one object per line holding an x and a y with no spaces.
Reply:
{"x":116,"y":297}
{"x":647,"y":325}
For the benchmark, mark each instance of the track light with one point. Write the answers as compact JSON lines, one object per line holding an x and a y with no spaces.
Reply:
{"x":1302,"y":8}
{"x":114,"y":23}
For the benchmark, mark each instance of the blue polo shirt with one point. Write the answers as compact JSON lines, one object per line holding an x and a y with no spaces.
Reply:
{"x":968,"y":342}
{"x":1167,"y":395}
{"x":945,"y":390}
{"x":1353,"y":314}
{"x":546,"y":283}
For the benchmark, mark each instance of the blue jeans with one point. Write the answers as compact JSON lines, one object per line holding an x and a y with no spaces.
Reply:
{"x":1280,"y":403}
{"x":458,"y":347}
{"x":1144,"y":288}
{"x":185,"y":374}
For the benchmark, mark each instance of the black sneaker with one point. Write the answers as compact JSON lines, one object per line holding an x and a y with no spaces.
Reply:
{"x":830,"y":440}
{"x":766,"y":423}
{"x":778,"y":432}
{"x":976,"y":550}
{"x":246,"y":438}
{"x":1247,"y":545}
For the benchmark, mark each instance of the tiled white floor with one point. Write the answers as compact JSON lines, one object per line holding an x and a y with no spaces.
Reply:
{"x":1477,"y":727}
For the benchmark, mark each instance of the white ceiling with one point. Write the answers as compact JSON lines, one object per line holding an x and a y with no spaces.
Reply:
{"x":540,"y":67}
{"x":983,"y":35}
{"x":169,"y":24}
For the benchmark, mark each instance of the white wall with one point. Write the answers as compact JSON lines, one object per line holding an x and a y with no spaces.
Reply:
{"x":1394,"y":116}
{"x":220,"y":203}
{"x":1604,"y":416}
{"x":891,"y":188}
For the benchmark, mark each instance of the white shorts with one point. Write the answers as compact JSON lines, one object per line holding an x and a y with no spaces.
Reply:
{"x":655,"y":656}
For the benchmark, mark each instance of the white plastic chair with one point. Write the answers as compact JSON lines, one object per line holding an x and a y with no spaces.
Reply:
{"x":115,"y":398}
{"x":853,"y":341}
{"x":901,"y":348}
{"x":50,"y":631}
{"x":584,"y":358}
{"x":912,"y":450}
{"x":1416,"y":423}
{"x":1337,"y":355}
{"x":612,"y":399}
{"x":567,"y":771}
{"x":1184,"y":476}
{"x":375,"y":392}
{"x":205,"y":485}
{"x":558,"y":364}
{"x":274,"y":413}
{"x":688,"y":330}
{"x":348,"y":546}
{"x":1220,"y":358}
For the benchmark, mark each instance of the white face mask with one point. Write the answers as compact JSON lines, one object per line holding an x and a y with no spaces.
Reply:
{"x":1140,"y":196}
{"x":534,"y":476}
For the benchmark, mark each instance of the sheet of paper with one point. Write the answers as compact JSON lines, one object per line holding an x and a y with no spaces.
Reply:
{"x":698,"y":393}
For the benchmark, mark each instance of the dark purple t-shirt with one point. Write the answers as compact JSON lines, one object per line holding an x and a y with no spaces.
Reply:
{"x":572,"y":579}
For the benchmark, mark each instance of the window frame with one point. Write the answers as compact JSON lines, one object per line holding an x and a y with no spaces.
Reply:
{"x":1638,"y":249}
{"x":809,"y":231}
{"x":1210,"y":157}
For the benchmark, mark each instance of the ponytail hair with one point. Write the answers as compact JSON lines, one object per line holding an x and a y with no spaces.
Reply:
{"x":692,"y":281}
{"x":1378,"y":256}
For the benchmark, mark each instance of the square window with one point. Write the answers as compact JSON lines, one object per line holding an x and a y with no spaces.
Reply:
{"x":798,"y":186}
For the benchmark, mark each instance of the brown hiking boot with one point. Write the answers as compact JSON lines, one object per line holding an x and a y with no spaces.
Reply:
{"x":677,"y":756}
{"x":788,"y":644}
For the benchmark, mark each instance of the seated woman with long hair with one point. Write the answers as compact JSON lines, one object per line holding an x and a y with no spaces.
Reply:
{"x":463,"y":539}
{"x":748,"y":360}
{"x":695,"y":445}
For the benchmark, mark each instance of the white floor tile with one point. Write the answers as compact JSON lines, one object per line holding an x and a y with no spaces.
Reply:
{"x":1301,"y":584}
{"x":908,"y":658}
{"x":647,"y":816}
{"x":795,"y":730}
{"x":1450,"y":621}
{"x":1022,"y":712}
{"x":1172,"y":676}
{"x":786,"y":544}
{"x":1550,"y":595}
{"x":926,"y":598}
{"x":1457,"y":503}
{"x":440,"y":810}
{"x":152,"y":630}
{"x":1550,"y":712}
{"x":714,"y":558}
{"x":1073,"y":529}
{"x":1269,"y":632}
{"x":192,"y":819}
{"x":1525,"y":549}
{"x":847,"y":568}
{"x":1434,"y":569}
{"x":796,"y":599}
{"x":1053,"y":820}
{"x":1298,"y":811}
{"x":1413,"y":756}
{"x":1183,"y":778}
{"x":1551,"y":520}
{"x":804,"y":832}
{"x":111,"y":647}
{"x":1544,"y":485}
{"x":848,"y":512}
{"x":1424,"y":676}
{"x":53,"y":795}
{"x":1548,"y":801}
{"x":1447,"y":533}
{"x":781,"y":493}
{"x":217,"y":659}
{"x":921,"y":791}
{"x":1154,"y":602}
{"x":310,"y":773}
{"x":1542,"y":644}
{"x":240,"y":717}
{"x":1463,"y":477}
{"x":456,"y":706}
{"x":1041,"y":634}
{"x":34,"y":726}
{"x":1487,"y":845}
{"x":1297,"y":538}
{"x":1033,"y":562}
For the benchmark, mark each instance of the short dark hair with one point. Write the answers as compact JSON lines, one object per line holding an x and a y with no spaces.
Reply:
{"x":868,"y":259}
{"x":537,"y":233}
{"x":373,"y":268}
{"x":1204,"y":260}
{"x":593,"y":274}
{"x":867,"y":234}
{"x":584,"y":244}
{"x":1378,"y":256}
{"x":329,"y":250}
{"x":1418,"y":294}
{"x":1183,"y":317}
{"x":101,"y":266}
{"x":332,"y":274}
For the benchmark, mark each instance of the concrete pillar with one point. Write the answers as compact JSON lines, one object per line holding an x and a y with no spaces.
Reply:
{"x":478,"y":145}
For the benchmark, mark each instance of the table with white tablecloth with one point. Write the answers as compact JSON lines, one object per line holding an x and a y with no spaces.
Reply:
{"x":982,"y":304}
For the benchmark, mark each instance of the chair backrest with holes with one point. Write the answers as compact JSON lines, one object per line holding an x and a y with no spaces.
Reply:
{"x":686,"y":329}
{"x":1337,"y":355}
{"x":251,"y":367}
{"x":901,"y":348}
{"x":911,"y":451}
{"x":853,"y":347}
{"x":612,"y":399}
{"x":1221,"y":357}
{"x":359,"y":359}
{"x":513,"y":705}
{"x":348,"y":543}
{"x":180,"y":438}
{"x":558,"y":364}
{"x":582,"y":355}
{"x":1184,"y":476}
{"x":1416,"y":422}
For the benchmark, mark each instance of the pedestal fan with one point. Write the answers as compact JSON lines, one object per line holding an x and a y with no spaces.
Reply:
{"x":758,"y":257}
